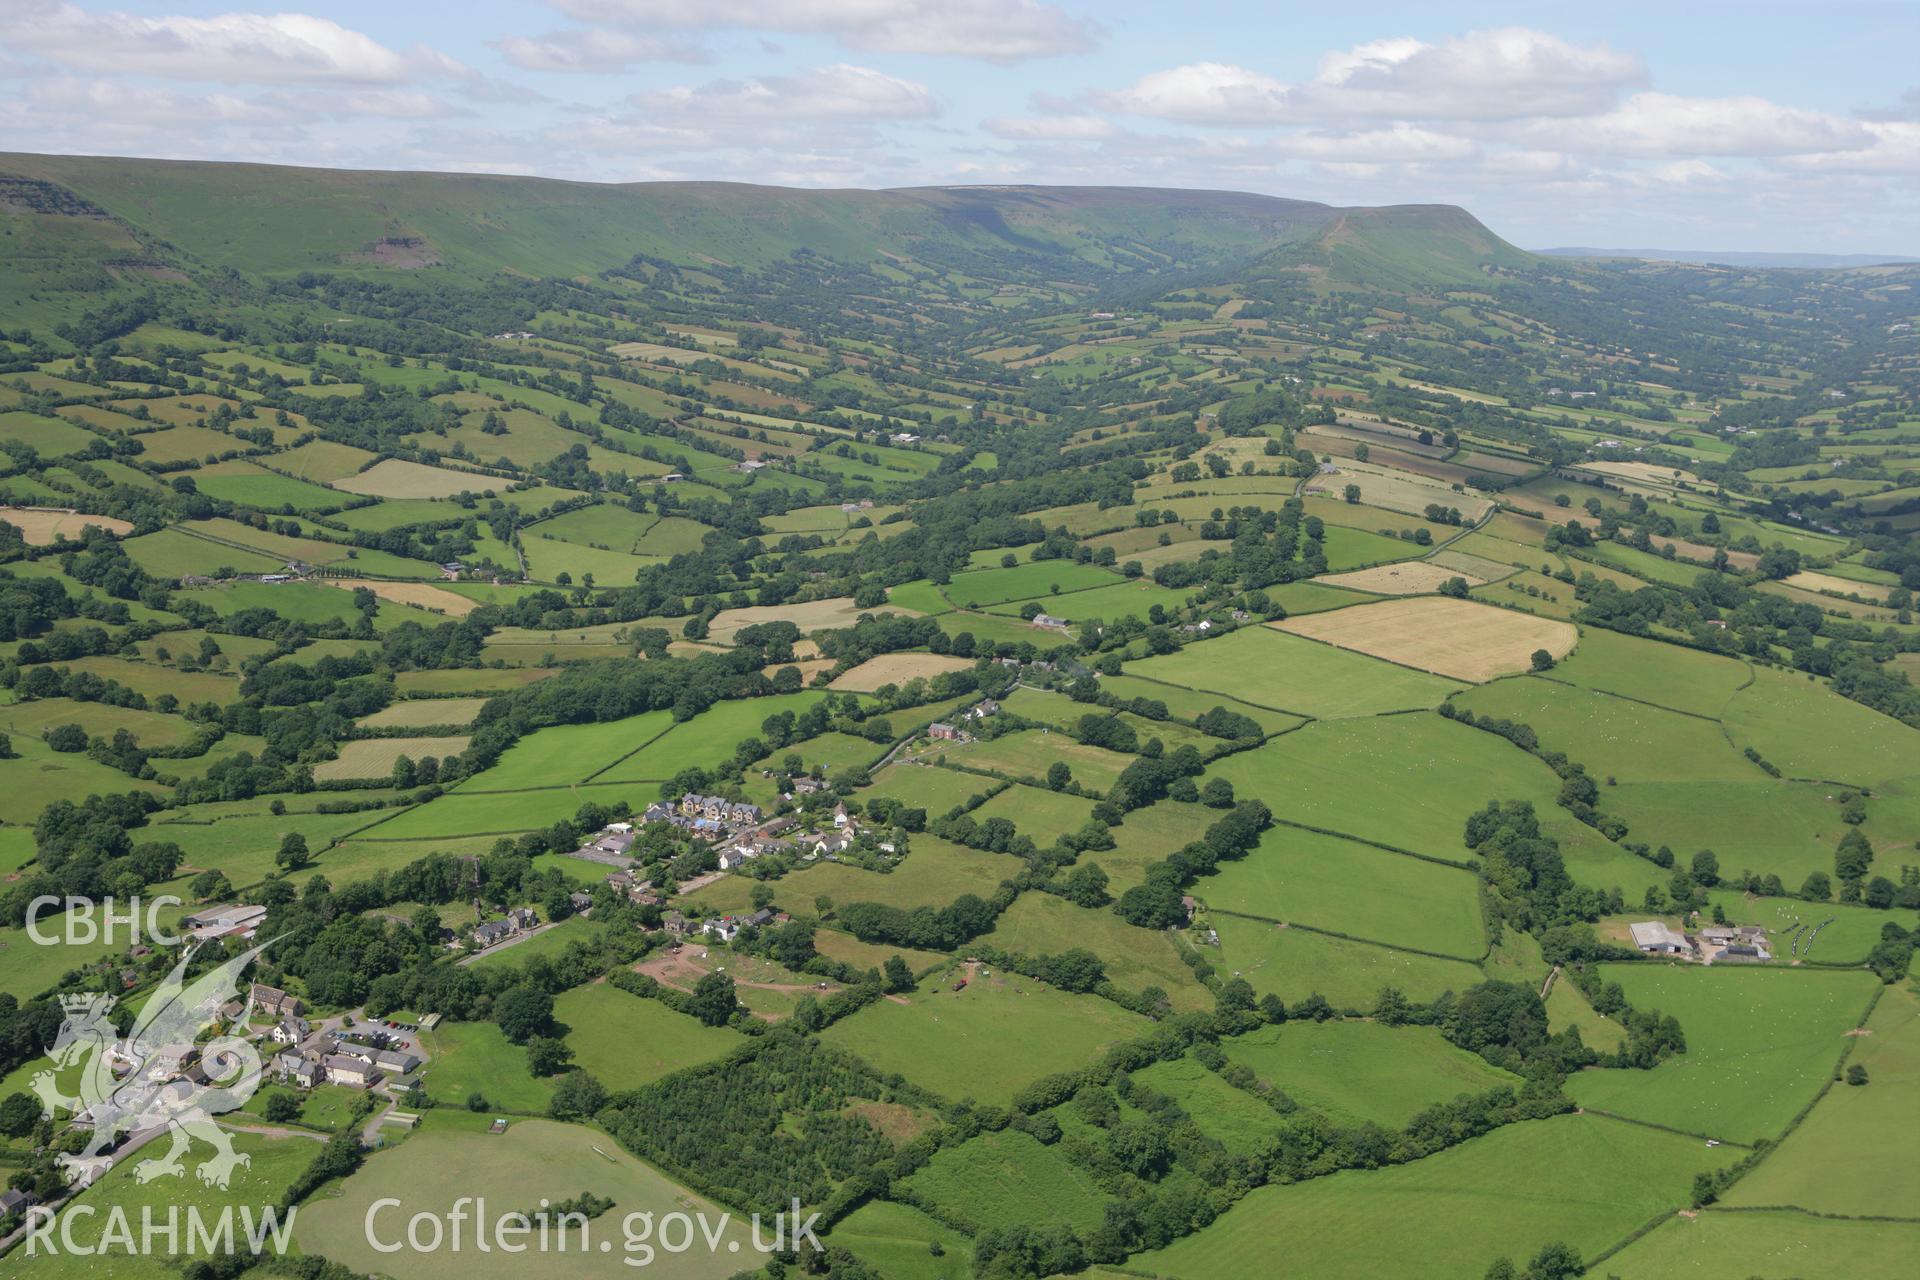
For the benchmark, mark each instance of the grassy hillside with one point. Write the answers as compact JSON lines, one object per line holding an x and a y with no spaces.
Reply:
{"x":271,"y":219}
{"x":1407,"y":247}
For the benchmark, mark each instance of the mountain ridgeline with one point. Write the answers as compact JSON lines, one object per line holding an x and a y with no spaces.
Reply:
{"x":86,"y":221}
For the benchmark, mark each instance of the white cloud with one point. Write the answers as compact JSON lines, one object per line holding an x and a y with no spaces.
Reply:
{"x":1507,"y":74}
{"x":1399,"y":144}
{"x":1504,"y":74}
{"x":592,"y":49}
{"x":1080,"y":128}
{"x":994,"y":30}
{"x":1203,"y":93}
{"x":234,"y":47}
{"x":1657,"y":124}
{"x":840,"y":92}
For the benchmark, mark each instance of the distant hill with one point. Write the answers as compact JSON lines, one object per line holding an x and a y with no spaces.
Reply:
{"x":273,"y":220}
{"x":1403,"y":248}
{"x":1710,"y":256}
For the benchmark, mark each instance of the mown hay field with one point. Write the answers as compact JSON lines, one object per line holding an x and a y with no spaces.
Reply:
{"x":396,"y":478}
{"x":1408,"y":578}
{"x":375,"y":757}
{"x":43,"y":526}
{"x":1457,"y":638}
{"x":897,"y":669}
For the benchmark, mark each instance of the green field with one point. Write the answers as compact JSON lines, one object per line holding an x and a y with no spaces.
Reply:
{"x":898,"y":1239}
{"x":1190,"y":704}
{"x":1723,"y":1243}
{"x":1408,"y":781}
{"x":561,"y":755}
{"x":1784,"y":828}
{"x":706,"y":739}
{"x":1000,"y":1179}
{"x":1585,"y":1180}
{"x":1295,"y":963}
{"x":1135,"y":958}
{"x":1809,"y":731}
{"x":1664,"y":674}
{"x":1612,"y":736}
{"x":935,"y":790}
{"x":1839,"y":1160}
{"x":973,"y":1043}
{"x":273,"y":1164}
{"x":1044,"y":815}
{"x":1359,"y":1072}
{"x":1759,"y":1042}
{"x":1035,"y":580}
{"x":1273,"y":669}
{"x":625,"y":1041}
{"x":534,"y":1160}
{"x":1233,"y":1117}
{"x":464,"y":1058}
{"x":1307,"y":878}
{"x":1029,"y":753}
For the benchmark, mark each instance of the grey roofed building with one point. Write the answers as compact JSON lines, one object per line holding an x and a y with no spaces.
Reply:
{"x":1655,"y":938}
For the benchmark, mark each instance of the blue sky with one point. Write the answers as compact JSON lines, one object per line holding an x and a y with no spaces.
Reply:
{"x":1792,"y":127}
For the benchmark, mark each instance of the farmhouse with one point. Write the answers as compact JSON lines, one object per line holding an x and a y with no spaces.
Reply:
{"x":1654,"y":938}
{"x":1049,"y":621}
{"x":12,"y":1201}
{"x":941,"y":731}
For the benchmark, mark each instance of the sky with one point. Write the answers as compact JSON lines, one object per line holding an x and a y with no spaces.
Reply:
{"x":1684,"y":125}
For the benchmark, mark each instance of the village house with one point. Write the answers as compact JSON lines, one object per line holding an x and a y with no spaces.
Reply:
{"x":354,"y":1073}
{"x":719,"y":809}
{"x":582,"y":903}
{"x":291,"y":1030}
{"x":274,"y":1001}
{"x":16,"y":1202}
{"x":297,"y":1069}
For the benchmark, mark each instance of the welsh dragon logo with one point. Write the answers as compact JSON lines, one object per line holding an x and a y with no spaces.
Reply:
{"x":150,"y":1096}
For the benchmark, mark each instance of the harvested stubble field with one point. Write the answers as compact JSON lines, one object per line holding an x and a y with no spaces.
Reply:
{"x":43,"y":526}
{"x":1457,"y":638}
{"x":897,"y":668}
{"x":425,"y":711}
{"x":422,"y":594}
{"x":1409,"y":578}
{"x":396,"y":478}
{"x":375,"y":757}
{"x":814,"y":615}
